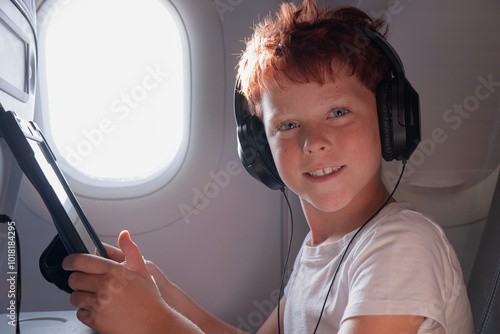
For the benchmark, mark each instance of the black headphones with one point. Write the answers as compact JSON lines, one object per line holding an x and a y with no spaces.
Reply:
{"x":398,"y":111}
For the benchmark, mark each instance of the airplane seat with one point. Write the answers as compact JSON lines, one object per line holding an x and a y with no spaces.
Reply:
{"x":17,"y":85}
{"x":484,"y":283}
{"x":18,"y":59}
{"x":458,"y":205}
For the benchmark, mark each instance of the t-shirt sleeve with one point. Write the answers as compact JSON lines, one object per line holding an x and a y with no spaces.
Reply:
{"x":402,"y":268}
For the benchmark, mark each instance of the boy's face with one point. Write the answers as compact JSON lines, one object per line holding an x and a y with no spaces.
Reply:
{"x":325,"y":140}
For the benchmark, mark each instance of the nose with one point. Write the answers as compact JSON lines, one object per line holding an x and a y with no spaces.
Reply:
{"x":316,"y":140}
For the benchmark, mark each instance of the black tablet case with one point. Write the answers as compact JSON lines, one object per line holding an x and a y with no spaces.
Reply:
{"x":34,"y":156}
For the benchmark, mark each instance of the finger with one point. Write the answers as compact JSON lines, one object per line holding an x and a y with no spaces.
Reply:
{"x":79,"y":281}
{"x":114,"y":253}
{"x":112,"y":281}
{"x":133,"y":256}
{"x":85,"y":316}
{"x":83,"y":300}
{"x":87,"y":263}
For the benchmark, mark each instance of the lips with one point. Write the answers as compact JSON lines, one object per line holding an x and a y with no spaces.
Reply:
{"x":324,"y":171}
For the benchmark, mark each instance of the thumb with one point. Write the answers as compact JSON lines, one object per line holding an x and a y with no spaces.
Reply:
{"x":133,"y":256}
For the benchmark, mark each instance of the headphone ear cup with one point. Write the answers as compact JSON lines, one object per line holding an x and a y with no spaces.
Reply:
{"x":384,"y":110}
{"x":253,"y":147}
{"x":256,"y":155}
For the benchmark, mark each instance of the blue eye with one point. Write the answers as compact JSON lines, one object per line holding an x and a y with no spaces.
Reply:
{"x":288,"y":126}
{"x":338,"y":112}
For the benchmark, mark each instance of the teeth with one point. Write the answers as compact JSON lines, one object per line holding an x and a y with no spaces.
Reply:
{"x":325,"y":171}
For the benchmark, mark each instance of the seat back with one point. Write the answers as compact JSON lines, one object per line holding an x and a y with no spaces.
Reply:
{"x":484,"y":284}
{"x":18,"y":59}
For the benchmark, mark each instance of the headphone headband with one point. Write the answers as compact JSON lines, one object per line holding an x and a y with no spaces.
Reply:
{"x":394,"y":60}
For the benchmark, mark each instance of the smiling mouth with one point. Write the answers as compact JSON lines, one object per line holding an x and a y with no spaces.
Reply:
{"x":324,"y":171}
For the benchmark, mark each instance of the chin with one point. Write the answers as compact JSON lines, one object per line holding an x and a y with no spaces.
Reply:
{"x":327,"y":204}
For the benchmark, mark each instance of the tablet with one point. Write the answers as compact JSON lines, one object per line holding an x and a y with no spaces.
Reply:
{"x":34,"y":156}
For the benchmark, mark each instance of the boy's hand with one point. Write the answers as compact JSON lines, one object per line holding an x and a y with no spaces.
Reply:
{"x":115,"y":297}
{"x":161,"y":280}
{"x":114,"y":253}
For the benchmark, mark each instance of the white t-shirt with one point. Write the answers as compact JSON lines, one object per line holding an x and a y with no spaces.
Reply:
{"x":400,"y":263}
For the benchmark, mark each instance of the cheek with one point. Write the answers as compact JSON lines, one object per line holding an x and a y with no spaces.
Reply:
{"x":375,"y":147}
{"x":365,"y":141}
{"x":376,"y":138}
{"x":281,"y":156}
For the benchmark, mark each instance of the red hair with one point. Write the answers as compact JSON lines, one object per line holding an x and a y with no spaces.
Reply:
{"x":302,"y":43}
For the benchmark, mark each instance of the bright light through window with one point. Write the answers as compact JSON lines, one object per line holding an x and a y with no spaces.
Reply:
{"x":115,"y":87}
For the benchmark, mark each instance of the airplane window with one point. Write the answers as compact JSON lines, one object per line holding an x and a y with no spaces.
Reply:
{"x":116,"y":102}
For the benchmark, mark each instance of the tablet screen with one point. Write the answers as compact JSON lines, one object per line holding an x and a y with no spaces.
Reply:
{"x":61,"y":194}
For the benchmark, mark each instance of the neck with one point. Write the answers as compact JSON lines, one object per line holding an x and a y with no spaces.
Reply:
{"x":332,"y":226}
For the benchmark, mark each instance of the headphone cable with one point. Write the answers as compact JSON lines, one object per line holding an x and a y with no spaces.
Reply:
{"x":341,"y":259}
{"x":350,"y":242}
{"x":287,"y":257}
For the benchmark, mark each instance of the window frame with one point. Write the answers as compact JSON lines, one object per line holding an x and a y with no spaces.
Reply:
{"x":211,"y":109}
{"x":108,"y":189}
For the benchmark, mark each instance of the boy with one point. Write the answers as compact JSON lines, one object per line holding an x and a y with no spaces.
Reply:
{"x":317,"y":103}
